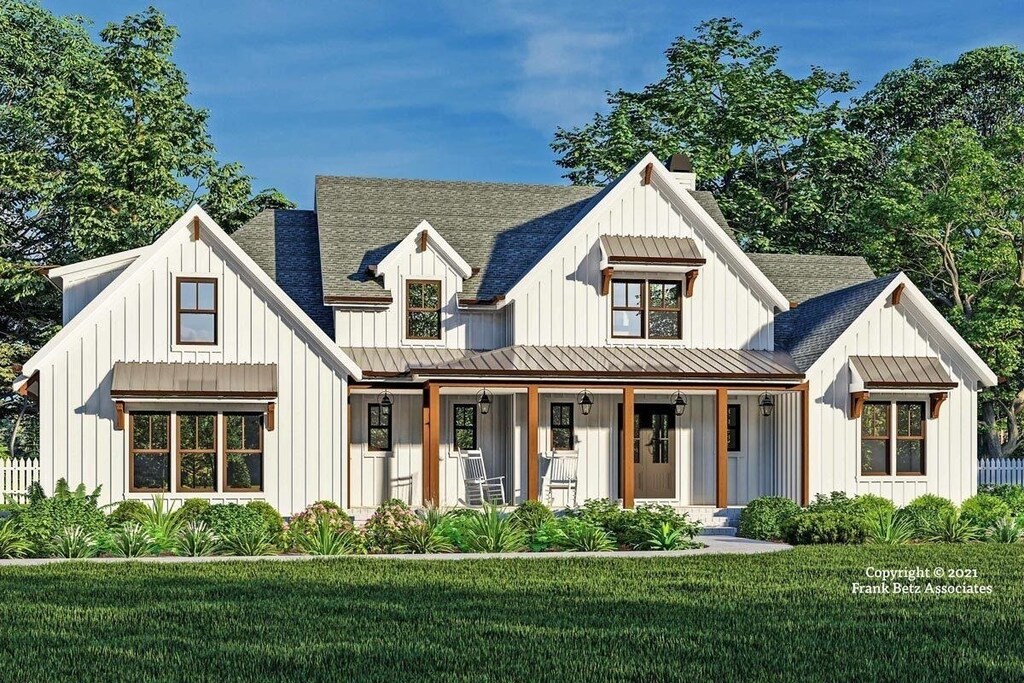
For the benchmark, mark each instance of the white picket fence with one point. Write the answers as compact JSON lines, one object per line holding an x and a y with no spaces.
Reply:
{"x":1000,"y":471}
{"x":16,"y":474}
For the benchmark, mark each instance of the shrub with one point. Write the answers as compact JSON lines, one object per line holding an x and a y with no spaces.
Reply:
{"x":131,"y":540}
{"x":870,"y":506}
{"x":272,"y":518}
{"x":75,"y":542}
{"x":1011,"y":494}
{"x":12,"y":543}
{"x":667,"y":538}
{"x":837,"y":501}
{"x":230,"y":519}
{"x":924,"y":512}
{"x":604,"y":512}
{"x":44,"y":518}
{"x":983,"y":510}
{"x":196,"y":540}
{"x":126,"y":511}
{"x":422,"y":539}
{"x":549,"y":535}
{"x":828,"y":526}
{"x":1007,"y":530}
{"x":453,"y":526}
{"x":491,"y":531}
{"x":161,"y":522}
{"x":530,"y":515}
{"x":307,"y":522}
{"x":191,"y":510}
{"x":585,"y":536}
{"x":634,"y":527}
{"x":953,"y":527}
{"x":763,"y":517}
{"x":248,"y":541}
{"x":887,"y":528}
{"x":386,"y":525}
{"x":324,"y":538}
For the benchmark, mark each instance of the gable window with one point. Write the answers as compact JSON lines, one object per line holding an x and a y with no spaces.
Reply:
{"x":562,"y":436}
{"x":646,"y":309}
{"x":197,"y":452}
{"x":149,"y":454}
{"x":732,"y":427}
{"x":378,"y":418}
{"x":893,"y":426}
{"x":196,"y":311}
{"x":243,"y":452}
{"x":423,"y":309}
{"x":465,"y":426}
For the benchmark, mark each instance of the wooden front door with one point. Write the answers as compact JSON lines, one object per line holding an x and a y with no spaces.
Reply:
{"x":654,"y":451}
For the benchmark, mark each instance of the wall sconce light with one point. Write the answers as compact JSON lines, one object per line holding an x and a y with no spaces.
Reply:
{"x":679,"y":401}
{"x":586,"y":401}
{"x":384,"y":398}
{"x":767,"y":404}
{"x":483,"y":399}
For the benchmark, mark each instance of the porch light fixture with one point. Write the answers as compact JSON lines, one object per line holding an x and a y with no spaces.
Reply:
{"x":679,"y":401}
{"x":483,"y":399}
{"x":384,"y":398}
{"x":586,"y":401}
{"x":767,"y":404}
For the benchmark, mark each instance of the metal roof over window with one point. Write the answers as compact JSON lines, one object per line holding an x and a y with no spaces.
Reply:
{"x":191,"y":380}
{"x":900,"y":372}
{"x":630,"y":249}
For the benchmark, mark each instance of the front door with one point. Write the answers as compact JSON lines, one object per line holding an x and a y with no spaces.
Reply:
{"x":654,"y":451}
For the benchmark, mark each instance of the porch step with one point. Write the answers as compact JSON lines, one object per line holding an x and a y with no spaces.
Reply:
{"x":718,"y":531}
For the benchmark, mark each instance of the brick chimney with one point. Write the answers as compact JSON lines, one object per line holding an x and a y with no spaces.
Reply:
{"x":682,"y":170}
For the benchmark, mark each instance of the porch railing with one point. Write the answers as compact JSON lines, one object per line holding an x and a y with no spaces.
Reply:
{"x":17,"y":474}
{"x":1000,"y":471}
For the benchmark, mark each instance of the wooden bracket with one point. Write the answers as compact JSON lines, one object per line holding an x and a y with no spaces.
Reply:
{"x":857,"y":400}
{"x":935,"y":402}
{"x":423,"y":240}
{"x":119,"y":415}
{"x":691,"y":279}
{"x":270,"y":417}
{"x":897,"y":294}
{"x":606,"y":280}
{"x":195,"y":229}
{"x":648,"y":171}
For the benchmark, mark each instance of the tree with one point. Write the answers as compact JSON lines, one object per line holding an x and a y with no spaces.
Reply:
{"x":99,"y":152}
{"x":769,"y":145}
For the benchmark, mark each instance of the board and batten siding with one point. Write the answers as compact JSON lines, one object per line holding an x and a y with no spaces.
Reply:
{"x":563,"y":306}
{"x":79,"y":291}
{"x":951,"y":457}
{"x":303,"y":457}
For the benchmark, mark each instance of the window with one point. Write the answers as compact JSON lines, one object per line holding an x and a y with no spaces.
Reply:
{"x":646,"y":309}
{"x":149,"y":456}
{"x":874,"y":439}
{"x":465,"y":426}
{"x":197,"y":311}
{"x":197,"y":452}
{"x":659,"y":438}
{"x":909,"y":438}
{"x":243,"y":452}
{"x":423,"y":309}
{"x":732,"y":428}
{"x":562,"y":436}
{"x":379,"y":427}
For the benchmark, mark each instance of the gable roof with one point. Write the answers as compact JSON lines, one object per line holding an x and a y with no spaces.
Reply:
{"x":805,"y":276}
{"x":433,"y":240}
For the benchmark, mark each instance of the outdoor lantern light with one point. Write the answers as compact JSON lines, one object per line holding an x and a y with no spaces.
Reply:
{"x":679,"y":401}
{"x":586,"y":401}
{"x":767,"y":404}
{"x":483,"y":399}
{"x":384,"y":398}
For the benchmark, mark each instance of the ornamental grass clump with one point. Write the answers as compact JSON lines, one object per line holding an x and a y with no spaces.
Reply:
{"x":307,"y":522}
{"x":422,"y":539}
{"x":249,"y":542}
{"x":161,"y":522}
{"x":924,"y":512}
{"x":666,"y":537}
{"x":583,"y":536}
{"x":953,"y":527}
{"x":131,"y":540}
{"x":13,"y":543}
{"x":887,"y":528}
{"x":328,"y":539}
{"x":196,"y":540}
{"x":385,"y":527}
{"x":74,"y":542}
{"x":491,"y":531}
{"x":1007,"y":530}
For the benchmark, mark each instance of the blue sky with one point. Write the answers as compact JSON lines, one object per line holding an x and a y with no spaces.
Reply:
{"x":475,"y":90}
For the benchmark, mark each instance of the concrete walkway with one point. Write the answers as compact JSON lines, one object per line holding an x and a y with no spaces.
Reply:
{"x":714,"y":545}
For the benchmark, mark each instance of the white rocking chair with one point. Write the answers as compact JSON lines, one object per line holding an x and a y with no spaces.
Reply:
{"x":480,"y":488}
{"x":561,"y":474}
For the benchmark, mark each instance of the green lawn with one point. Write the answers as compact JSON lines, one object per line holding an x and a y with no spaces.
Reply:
{"x":786,"y":616}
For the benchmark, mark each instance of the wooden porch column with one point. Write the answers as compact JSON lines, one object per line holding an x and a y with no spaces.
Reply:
{"x":805,"y":445}
{"x":628,"y":498}
{"x":532,"y":447}
{"x":432,"y":445}
{"x":721,"y":448}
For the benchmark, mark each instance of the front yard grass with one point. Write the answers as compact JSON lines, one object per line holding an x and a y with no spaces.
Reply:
{"x":783,"y":616}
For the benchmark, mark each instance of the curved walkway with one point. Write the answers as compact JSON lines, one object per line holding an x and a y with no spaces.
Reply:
{"x":714,"y":545}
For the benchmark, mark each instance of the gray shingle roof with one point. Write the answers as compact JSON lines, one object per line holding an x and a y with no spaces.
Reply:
{"x":801,"y":276}
{"x":808,"y":330}
{"x":285,"y":244}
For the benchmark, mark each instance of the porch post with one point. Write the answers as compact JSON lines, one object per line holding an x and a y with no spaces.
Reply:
{"x":532,"y":449}
{"x":721,"y":448}
{"x":425,"y":447}
{"x":628,"y":499}
{"x":434,"y":439}
{"x":805,"y":445}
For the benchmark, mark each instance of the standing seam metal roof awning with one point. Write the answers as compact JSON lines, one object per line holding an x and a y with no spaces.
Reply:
{"x":901,"y":372}
{"x":192,"y":380}
{"x":628,"y":249}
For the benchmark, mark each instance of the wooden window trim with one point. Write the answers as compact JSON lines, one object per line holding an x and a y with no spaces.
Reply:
{"x":410,"y":309}
{"x":178,"y":310}
{"x":887,"y":439}
{"x":738,"y":428}
{"x":456,"y":428}
{"x":370,"y":426}
{"x":179,"y":451}
{"x":922,"y":438}
{"x":677,"y":309}
{"x":642,"y":308}
{"x":571,"y":426}
{"x":132,"y":451}
{"x":261,"y":451}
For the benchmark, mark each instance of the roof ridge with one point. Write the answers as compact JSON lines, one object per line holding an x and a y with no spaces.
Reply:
{"x":496,"y":183}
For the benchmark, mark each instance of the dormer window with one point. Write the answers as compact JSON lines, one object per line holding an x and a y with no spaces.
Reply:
{"x":196,"y":312}
{"x":423,"y":309}
{"x":646,"y":309}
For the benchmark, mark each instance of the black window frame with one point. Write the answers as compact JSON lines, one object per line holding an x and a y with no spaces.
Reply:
{"x":472,"y":427}
{"x":556,"y":424}
{"x":380,"y":409}
{"x":731,"y":409}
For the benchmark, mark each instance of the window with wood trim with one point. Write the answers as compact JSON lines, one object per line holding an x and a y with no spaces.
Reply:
{"x":563,"y":437}
{"x":464,"y":427}
{"x":875,"y":438}
{"x":196,"y":311}
{"x":243,"y":452}
{"x":732,"y":428}
{"x":149,"y":453}
{"x":628,"y":308}
{"x":910,"y":442}
{"x":647,"y":309}
{"x":423,"y":309}
{"x":378,"y":427}
{"x":665,"y":312}
{"x":197,"y":452}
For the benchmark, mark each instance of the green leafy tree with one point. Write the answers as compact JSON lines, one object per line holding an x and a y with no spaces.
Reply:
{"x":769,"y":145}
